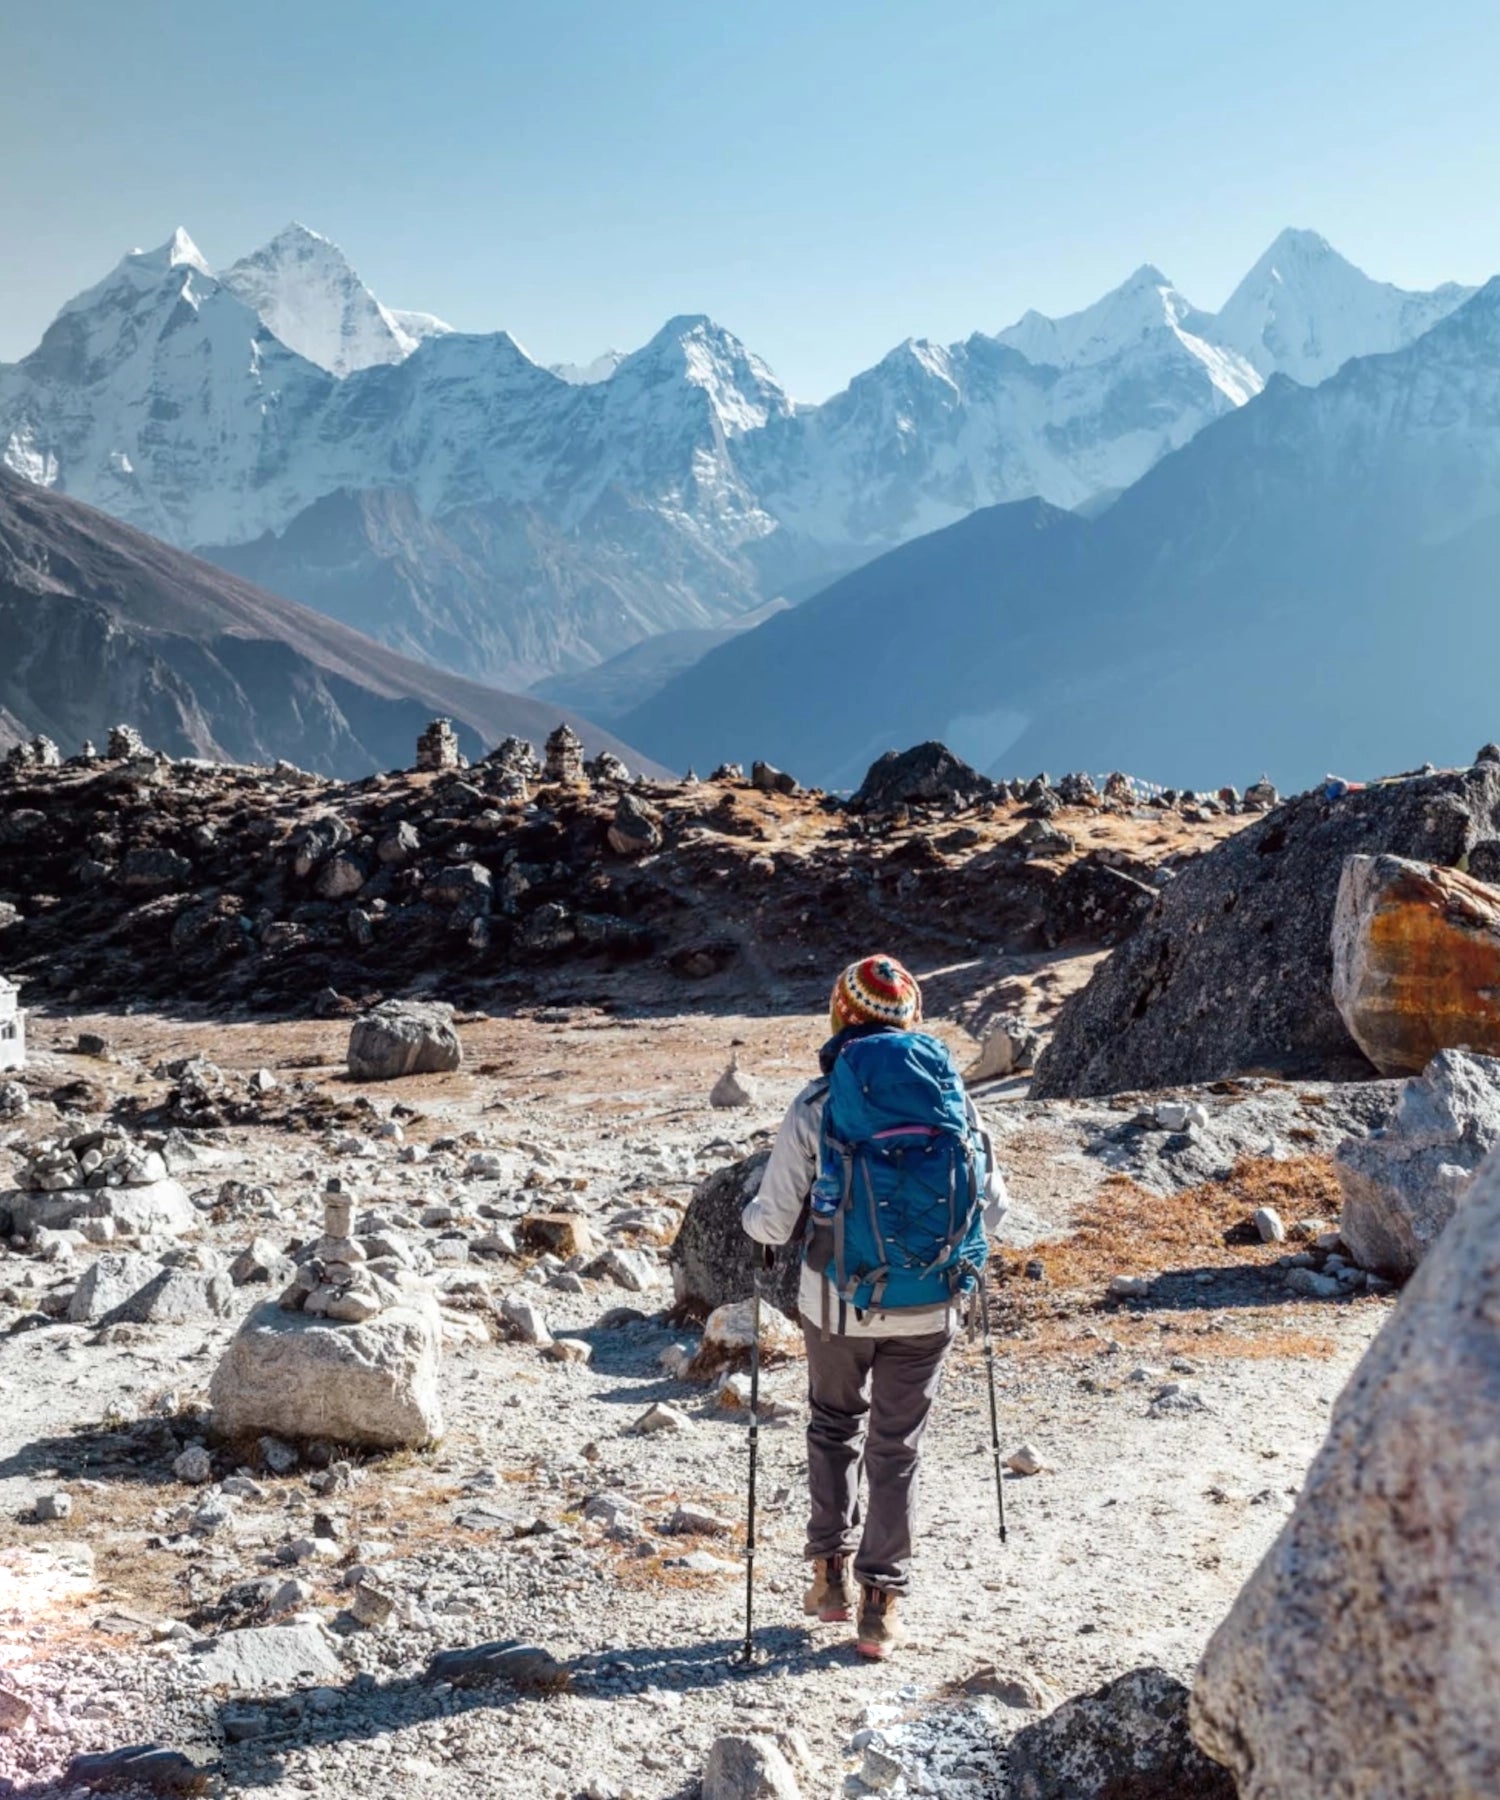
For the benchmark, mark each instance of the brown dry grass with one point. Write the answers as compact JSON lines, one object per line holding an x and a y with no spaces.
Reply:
{"x":1125,"y":1229}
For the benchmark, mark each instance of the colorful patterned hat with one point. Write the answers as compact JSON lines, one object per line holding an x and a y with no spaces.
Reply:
{"x":877,"y":991}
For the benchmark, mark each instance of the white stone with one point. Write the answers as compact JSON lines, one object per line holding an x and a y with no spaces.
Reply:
{"x":1027,"y":1460}
{"x":373,"y":1384}
{"x":404,"y":1037}
{"x":1402,"y":1184}
{"x":662,"y":1417}
{"x":268,"y":1659}
{"x":748,"y":1768}
{"x":1269,"y":1225}
{"x":525,"y":1318}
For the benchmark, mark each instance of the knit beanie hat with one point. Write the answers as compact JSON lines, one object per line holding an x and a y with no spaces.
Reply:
{"x":877,"y":991}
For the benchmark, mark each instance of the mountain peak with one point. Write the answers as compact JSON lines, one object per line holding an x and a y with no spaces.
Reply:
{"x":1144,"y":302}
{"x":309,"y":295}
{"x":694,"y":349}
{"x":179,"y":251}
{"x":1304,"y":309}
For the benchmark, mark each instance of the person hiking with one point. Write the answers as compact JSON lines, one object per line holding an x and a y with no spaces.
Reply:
{"x":883,"y":1169}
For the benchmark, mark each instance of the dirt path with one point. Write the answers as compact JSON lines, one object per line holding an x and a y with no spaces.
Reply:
{"x":1127,"y":1550}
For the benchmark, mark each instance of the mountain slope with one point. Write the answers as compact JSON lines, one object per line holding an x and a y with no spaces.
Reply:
{"x":100,"y":624}
{"x":1309,"y":581}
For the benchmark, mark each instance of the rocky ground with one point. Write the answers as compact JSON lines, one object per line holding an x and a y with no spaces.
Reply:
{"x":1174,"y":1412}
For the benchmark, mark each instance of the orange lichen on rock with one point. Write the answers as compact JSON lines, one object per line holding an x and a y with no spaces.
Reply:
{"x":1416,"y":961}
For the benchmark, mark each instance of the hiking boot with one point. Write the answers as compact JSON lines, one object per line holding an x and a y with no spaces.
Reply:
{"x":879,"y":1628}
{"x":831,"y":1595}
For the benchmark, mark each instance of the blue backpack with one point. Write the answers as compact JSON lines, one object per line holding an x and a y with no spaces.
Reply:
{"x":897,"y":1212}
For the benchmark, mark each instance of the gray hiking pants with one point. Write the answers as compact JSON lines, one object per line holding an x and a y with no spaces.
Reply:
{"x":870,"y":1399}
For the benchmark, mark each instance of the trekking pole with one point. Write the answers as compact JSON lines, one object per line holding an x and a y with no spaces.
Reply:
{"x":746,"y":1656}
{"x":989,"y":1363}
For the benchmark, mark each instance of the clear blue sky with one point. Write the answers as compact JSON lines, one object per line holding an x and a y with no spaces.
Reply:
{"x":823,"y":177}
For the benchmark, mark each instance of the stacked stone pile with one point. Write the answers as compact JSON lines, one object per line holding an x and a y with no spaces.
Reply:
{"x":96,"y":1159}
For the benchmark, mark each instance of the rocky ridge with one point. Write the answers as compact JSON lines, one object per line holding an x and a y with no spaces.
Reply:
{"x":139,"y":876}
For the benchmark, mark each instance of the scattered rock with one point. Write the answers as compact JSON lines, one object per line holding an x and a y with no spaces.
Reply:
{"x":635,"y":829}
{"x":926,"y":775}
{"x":140,"y":1767}
{"x":53,"y":1508}
{"x":748,"y":1768}
{"x":1402,"y":1184}
{"x":15,"y":1709}
{"x":404,"y":1037}
{"x":1416,"y":961}
{"x":1128,"y":1741}
{"x":563,"y":1234}
{"x":194,"y":1466}
{"x":661,"y":1417}
{"x":524,"y":1666}
{"x":1383,"y":1590}
{"x":1025,"y":1461}
{"x":265,"y":1659}
{"x":729,"y":1336}
{"x":525,"y":1319}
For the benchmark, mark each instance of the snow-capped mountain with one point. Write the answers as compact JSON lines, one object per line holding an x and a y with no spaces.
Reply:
{"x":1303,"y":311}
{"x":1309,"y":583}
{"x":306,"y":291}
{"x":448,"y":492}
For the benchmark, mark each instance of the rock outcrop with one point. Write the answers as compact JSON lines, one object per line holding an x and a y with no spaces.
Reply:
{"x":404,"y":1037}
{"x":1362,"y":1659}
{"x":1416,"y":961}
{"x":1128,"y":1741}
{"x":1403,"y":1183}
{"x":926,"y":775}
{"x":301,"y":1376}
{"x":712,"y":1260}
{"x":1232,"y":974}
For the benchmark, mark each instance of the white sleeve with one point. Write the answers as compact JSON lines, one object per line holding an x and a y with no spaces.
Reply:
{"x":771,"y":1217}
{"x":996,"y":1197}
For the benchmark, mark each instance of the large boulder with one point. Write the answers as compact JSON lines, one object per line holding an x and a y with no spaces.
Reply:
{"x":1416,"y":961}
{"x":1362,"y":1659}
{"x":297,"y":1375}
{"x":404,"y":1037}
{"x":711,"y":1259}
{"x":1403,"y":1183}
{"x":1128,"y":1741}
{"x":1232,"y":974}
{"x":157,"y":1206}
{"x":926,"y":775}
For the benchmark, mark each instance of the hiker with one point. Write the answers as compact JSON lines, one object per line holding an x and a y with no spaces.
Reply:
{"x":884,"y":1174}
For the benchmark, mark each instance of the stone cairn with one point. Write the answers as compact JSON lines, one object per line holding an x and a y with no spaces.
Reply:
{"x":437,"y":747}
{"x":334,"y":1283}
{"x":565,"y":758}
{"x":97,"y":1159}
{"x":607,"y":767}
{"x":40,"y":753}
{"x":125,"y":741}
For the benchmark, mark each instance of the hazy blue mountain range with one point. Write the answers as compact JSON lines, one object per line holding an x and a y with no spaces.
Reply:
{"x":102,"y":625}
{"x":1312,"y":580}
